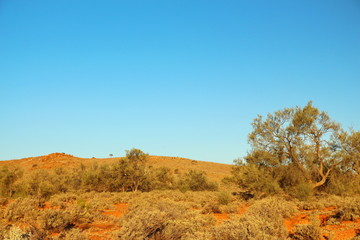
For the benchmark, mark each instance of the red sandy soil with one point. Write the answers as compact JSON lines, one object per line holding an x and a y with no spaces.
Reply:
{"x":120,"y":209}
{"x":243,"y":209}
{"x":344,"y":231}
{"x":303,"y":218}
{"x":221,"y":217}
{"x":103,"y":230}
{"x":100,"y":231}
{"x":225,"y":216}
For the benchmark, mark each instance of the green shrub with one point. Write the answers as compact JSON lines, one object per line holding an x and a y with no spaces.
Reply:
{"x":162,"y":179}
{"x":196,"y":181}
{"x":224,"y":198}
{"x":41,"y":185}
{"x":8,"y":177}
{"x":342,"y":183}
{"x":257,"y":179}
{"x":302,"y":191}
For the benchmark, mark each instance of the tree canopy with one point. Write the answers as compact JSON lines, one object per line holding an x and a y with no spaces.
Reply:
{"x":301,"y":136}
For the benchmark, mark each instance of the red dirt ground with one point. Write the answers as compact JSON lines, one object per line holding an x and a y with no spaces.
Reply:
{"x":225,"y":216}
{"x":103,"y":230}
{"x":221,"y":217}
{"x":344,"y":231}
{"x":120,"y":209}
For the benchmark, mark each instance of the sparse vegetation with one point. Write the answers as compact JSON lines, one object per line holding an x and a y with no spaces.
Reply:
{"x":300,"y":161}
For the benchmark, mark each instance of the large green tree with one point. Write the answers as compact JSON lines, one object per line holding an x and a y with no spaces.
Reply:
{"x":349,"y":143}
{"x":302,"y":136}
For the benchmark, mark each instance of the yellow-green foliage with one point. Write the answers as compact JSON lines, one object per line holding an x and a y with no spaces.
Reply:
{"x":64,"y":219}
{"x":250,"y":227}
{"x":260,"y":180}
{"x":8,"y":177}
{"x":14,"y":233}
{"x":224,"y":198}
{"x":264,"y":220}
{"x":196,"y":181}
{"x":272,"y":207}
{"x":55,"y":220}
{"x":23,"y":209}
{"x":161,"y":219}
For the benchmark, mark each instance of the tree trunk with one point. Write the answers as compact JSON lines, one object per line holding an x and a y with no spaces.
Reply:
{"x":324,"y":176}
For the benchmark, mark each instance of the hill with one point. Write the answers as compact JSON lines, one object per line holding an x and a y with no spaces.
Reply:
{"x":215,"y":171}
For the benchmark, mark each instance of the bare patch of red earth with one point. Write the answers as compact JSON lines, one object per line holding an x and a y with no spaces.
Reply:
{"x":343,"y":231}
{"x":103,"y":230}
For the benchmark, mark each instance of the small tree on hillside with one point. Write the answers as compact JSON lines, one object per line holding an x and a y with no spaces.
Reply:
{"x":137,"y":172}
{"x":303,"y":137}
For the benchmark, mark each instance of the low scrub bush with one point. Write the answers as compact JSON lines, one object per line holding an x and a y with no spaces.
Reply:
{"x":64,"y":219}
{"x":272,"y":208}
{"x":55,"y":220}
{"x":308,"y":231}
{"x":72,"y":234}
{"x":22,"y":209}
{"x":224,"y":198}
{"x":264,"y":220}
{"x":63,"y":198}
{"x":250,"y":227}
{"x":161,"y":219}
{"x":211,"y":207}
{"x":14,"y":233}
{"x":349,"y":210}
{"x":230,"y":208}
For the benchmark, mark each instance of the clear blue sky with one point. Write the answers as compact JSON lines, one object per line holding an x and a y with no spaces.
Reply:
{"x":175,"y":78}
